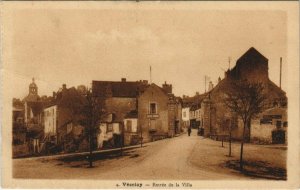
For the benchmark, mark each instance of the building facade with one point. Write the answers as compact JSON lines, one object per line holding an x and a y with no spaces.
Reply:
{"x":252,"y":66}
{"x":143,"y":111}
{"x":50,"y":120}
{"x":186,"y":117}
{"x":153,"y":113}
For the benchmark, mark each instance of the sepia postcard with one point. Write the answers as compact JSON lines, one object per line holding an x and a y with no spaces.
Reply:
{"x":148,"y":95}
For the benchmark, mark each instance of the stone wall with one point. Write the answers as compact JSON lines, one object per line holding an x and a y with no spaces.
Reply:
{"x":261,"y":133}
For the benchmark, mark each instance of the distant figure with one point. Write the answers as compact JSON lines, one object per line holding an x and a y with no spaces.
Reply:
{"x":189,"y":131}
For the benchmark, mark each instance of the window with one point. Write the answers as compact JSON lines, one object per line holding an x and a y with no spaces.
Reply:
{"x":184,"y":114}
{"x":153,"y":108}
{"x":278,"y":124}
{"x":109,"y":127}
{"x":129,"y":126}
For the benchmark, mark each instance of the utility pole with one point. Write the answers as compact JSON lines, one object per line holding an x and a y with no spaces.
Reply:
{"x":91,"y":123}
{"x":280,"y":72}
{"x":141,"y":136}
{"x":150,"y":75}
{"x":205,"y":82}
{"x":122,"y":138}
{"x":229,"y":59}
{"x":230,"y":123}
{"x":210,"y":131}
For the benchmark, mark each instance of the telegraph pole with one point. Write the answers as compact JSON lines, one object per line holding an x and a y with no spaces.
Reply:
{"x":141,"y":136}
{"x":150,"y":75}
{"x":90,"y":111}
{"x":205,"y":82}
{"x":230,"y":123}
{"x":280,"y":72}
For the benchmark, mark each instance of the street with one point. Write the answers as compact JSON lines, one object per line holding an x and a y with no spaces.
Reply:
{"x":178,"y":158}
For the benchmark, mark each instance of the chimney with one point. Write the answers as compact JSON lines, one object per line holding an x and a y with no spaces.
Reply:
{"x":197,"y":93}
{"x":210,"y":86}
{"x":219,"y":79}
{"x":123,"y":79}
{"x":64,"y":86}
{"x":167,"y":88}
{"x":227,"y":73}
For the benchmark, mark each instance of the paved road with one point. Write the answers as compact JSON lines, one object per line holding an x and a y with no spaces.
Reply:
{"x":181,"y":158}
{"x":167,"y":159}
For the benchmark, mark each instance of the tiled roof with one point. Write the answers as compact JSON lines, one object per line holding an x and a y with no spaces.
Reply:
{"x":189,"y":101}
{"x":274,"y":90}
{"x":250,"y":60}
{"x":195,"y":106}
{"x":252,"y":53}
{"x":117,"y":89}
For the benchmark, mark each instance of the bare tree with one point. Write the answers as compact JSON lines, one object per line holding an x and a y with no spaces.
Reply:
{"x":246,"y":100}
{"x":92,"y":112}
{"x":222,"y":122}
{"x":225,"y":121}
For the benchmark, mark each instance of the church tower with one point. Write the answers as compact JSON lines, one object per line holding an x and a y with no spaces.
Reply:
{"x":33,"y":89}
{"x":31,"y":100}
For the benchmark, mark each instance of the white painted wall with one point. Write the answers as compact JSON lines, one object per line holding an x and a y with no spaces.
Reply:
{"x":50,"y":117}
{"x":105,"y":135}
{"x":133,"y":124}
{"x":116,"y":128}
{"x":186,"y":114}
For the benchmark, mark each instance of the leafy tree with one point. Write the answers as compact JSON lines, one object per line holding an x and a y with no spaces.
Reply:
{"x":246,"y":100}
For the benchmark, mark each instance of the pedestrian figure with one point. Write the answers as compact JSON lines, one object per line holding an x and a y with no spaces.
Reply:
{"x":189,"y":131}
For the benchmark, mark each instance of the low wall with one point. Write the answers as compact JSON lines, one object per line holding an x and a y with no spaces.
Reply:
{"x":262,"y":133}
{"x":20,"y":150}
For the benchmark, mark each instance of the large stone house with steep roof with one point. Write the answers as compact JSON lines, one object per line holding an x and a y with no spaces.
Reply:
{"x":253,"y":67}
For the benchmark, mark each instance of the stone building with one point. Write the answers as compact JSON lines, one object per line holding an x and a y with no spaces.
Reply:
{"x":117,"y":98}
{"x":131,"y":134}
{"x":140,"y":109}
{"x":185,"y":117}
{"x":153,"y":113}
{"x":195,"y":118}
{"x":192,"y":111}
{"x":252,"y":66}
{"x":62,"y":117}
{"x":270,"y":126}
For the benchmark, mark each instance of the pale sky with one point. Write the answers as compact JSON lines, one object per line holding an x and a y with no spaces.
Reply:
{"x":76,"y":47}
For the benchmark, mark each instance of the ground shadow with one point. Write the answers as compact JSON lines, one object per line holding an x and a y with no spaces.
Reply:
{"x":76,"y":161}
{"x":259,"y":169}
